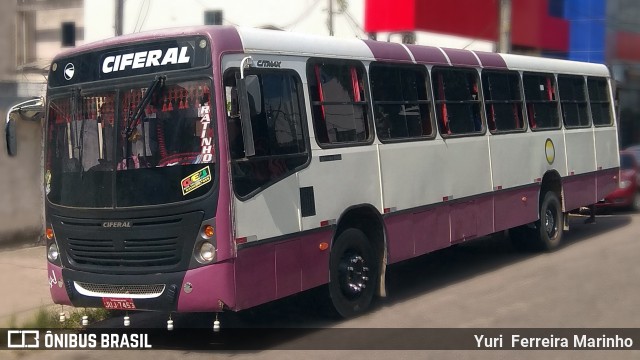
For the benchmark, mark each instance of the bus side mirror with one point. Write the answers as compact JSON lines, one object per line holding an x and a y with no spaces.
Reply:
{"x":250,"y":101}
{"x":12,"y":142}
{"x":27,"y":110}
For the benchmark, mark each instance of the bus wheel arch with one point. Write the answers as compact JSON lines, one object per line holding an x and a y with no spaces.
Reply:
{"x":551,"y":181}
{"x":359,"y":227}
{"x":546,"y":233}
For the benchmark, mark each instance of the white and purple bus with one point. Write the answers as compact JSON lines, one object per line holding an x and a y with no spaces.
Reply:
{"x":218,"y":168}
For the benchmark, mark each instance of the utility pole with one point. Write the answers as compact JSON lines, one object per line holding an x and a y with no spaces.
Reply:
{"x":119,"y":16}
{"x":330,"y":21}
{"x":504,"y":20}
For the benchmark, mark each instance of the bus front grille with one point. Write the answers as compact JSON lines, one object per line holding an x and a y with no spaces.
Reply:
{"x":126,"y":252}
{"x":145,"y":246}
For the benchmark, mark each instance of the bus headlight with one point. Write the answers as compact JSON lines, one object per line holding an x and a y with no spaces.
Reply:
{"x":206,"y":253}
{"x":52,"y":253}
{"x":625,"y":184}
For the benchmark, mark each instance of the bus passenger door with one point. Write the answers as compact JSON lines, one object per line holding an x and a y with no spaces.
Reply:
{"x":266,"y":188}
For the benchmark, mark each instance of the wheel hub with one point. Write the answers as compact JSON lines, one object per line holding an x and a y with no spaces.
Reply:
{"x":354,"y":275}
{"x":550,"y":223}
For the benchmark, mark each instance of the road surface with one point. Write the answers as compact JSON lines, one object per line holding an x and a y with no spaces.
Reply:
{"x":592,"y":281}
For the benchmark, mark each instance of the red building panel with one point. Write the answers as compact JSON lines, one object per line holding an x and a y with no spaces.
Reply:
{"x":626,"y":47}
{"x":531,"y":25}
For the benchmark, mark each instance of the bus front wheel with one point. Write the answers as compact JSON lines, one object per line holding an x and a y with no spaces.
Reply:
{"x":353,"y":273}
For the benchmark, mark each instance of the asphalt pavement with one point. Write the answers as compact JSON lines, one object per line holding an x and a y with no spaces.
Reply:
{"x":24,"y":284}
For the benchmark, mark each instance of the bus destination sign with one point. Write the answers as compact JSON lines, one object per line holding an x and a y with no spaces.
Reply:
{"x":128,"y":61}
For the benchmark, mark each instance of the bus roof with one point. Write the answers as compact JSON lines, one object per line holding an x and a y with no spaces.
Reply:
{"x":261,"y":41}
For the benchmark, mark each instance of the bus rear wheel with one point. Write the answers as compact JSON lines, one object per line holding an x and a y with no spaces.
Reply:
{"x":353,"y":273}
{"x":546,"y":234}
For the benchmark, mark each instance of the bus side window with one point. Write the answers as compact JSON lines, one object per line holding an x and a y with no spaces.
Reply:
{"x":599,"y":101}
{"x":338,"y":101}
{"x":457,"y":101}
{"x":541,"y":101}
{"x":573,"y":98}
{"x":400,"y":101}
{"x":277,"y":132}
{"x":503,"y":100}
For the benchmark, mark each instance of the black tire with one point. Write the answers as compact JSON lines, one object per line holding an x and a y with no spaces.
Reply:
{"x":353,"y":273}
{"x":546,"y":233}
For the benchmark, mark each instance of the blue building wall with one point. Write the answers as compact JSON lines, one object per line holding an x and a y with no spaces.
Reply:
{"x":587,"y":28}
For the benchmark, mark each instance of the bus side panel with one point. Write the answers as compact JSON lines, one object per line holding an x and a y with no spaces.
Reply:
{"x":485,"y":210}
{"x":400,"y":232}
{"x":314,"y":261}
{"x":265,"y":272}
{"x":210,"y":284}
{"x":579,"y":190}
{"x":581,"y":157}
{"x":288,"y":268}
{"x":431,"y":230}
{"x":607,"y":182}
{"x":416,"y":233}
{"x":349,"y":177}
{"x":464,"y":221}
{"x":255,"y":276}
{"x":515,"y":207}
{"x":606,"y":159}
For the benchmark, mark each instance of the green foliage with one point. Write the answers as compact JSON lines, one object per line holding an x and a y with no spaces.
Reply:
{"x":49,"y":318}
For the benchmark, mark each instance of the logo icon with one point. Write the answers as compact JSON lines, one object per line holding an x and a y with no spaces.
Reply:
{"x":23,"y":339}
{"x":69,"y":71}
{"x":550,"y":151}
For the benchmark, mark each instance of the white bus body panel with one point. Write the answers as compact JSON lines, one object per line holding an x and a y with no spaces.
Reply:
{"x":340,"y":184}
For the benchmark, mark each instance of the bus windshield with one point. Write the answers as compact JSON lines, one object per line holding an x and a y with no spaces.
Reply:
{"x":100,"y":155}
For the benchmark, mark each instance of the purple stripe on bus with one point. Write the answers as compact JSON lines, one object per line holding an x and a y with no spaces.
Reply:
{"x":491,"y":60}
{"x":416,"y":233}
{"x":461,"y":57}
{"x":225,"y":39}
{"x":607,"y":181}
{"x":388,"y":51}
{"x":515,"y":207}
{"x":427,"y":55}
{"x":58,"y":293}
{"x":209,"y":285}
{"x":579,"y":190}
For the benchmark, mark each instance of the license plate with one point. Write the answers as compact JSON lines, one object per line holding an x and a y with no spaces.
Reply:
{"x":118,"y":304}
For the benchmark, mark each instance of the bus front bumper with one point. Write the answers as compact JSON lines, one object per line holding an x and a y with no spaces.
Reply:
{"x":205,"y":289}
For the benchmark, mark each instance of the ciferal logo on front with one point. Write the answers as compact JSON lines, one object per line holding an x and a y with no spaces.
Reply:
{"x":23,"y":339}
{"x":69,"y":71}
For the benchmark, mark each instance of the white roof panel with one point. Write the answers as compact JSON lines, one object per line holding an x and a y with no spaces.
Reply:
{"x":290,"y":43}
{"x":531,"y":63}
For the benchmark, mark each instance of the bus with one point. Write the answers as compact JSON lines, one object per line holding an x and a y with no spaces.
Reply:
{"x":218,"y":168}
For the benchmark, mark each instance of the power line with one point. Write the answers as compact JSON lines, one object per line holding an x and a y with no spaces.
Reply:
{"x":146,"y":14}
{"x":304,"y":14}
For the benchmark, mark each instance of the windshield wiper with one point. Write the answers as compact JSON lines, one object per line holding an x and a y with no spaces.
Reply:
{"x":134,"y":117}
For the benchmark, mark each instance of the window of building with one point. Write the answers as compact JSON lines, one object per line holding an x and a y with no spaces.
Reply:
{"x":541,"y":101}
{"x":339,"y":102}
{"x":68,"y":34}
{"x":400,"y":101}
{"x":599,"y":101}
{"x":213,"y":17}
{"x":573,"y":98}
{"x":503,"y":100}
{"x":278,"y":133}
{"x":457,"y":101}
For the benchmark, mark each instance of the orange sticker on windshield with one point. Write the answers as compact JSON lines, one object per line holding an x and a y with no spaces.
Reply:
{"x":195,"y":180}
